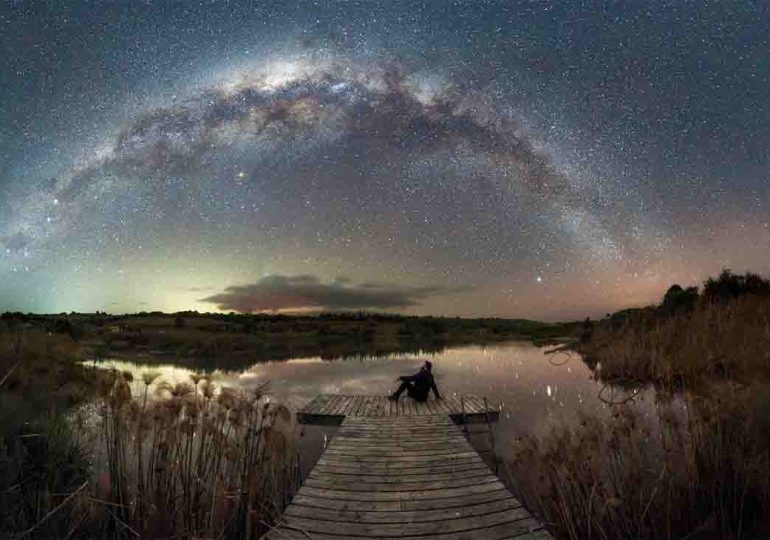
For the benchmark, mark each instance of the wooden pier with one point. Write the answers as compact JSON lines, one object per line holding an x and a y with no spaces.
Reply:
{"x":402,"y":471}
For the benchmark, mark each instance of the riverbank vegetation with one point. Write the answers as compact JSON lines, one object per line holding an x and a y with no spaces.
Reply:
{"x":192,"y":462}
{"x":83,"y":457}
{"x":693,"y":336}
{"x":234,"y":341}
{"x":689,"y":457}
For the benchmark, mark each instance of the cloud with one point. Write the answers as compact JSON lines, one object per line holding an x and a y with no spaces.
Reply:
{"x":279,"y":292}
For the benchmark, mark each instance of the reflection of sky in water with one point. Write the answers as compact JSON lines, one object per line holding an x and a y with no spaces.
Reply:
{"x":532,"y":392}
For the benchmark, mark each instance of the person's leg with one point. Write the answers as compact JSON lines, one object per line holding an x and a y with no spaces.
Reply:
{"x":418,"y":395}
{"x":406,"y":385}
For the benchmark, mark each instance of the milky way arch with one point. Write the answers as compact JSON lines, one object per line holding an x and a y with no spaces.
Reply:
{"x":291,"y":112}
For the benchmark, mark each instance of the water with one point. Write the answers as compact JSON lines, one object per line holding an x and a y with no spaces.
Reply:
{"x":533,"y":390}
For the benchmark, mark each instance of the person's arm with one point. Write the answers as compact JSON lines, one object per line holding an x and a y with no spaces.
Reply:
{"x":434,"y":388}
{"x":407,"y":378}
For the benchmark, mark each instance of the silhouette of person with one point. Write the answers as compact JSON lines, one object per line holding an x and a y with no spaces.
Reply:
{"x":417,"y":386}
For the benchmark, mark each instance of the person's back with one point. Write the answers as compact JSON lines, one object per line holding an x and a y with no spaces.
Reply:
{"x":419,"y":385}
{"x":423,"y":382}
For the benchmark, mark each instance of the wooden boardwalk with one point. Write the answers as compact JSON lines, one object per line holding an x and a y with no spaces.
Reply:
{"x":402,"y":475}
{"x":332,"y":409}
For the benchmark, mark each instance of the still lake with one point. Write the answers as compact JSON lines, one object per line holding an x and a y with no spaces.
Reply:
{"x":533,"y":389}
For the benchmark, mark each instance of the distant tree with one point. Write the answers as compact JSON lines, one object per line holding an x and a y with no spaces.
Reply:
{"x":677,"y":298}
{"x":179,"y":322}
{"x":729,"y":285}
{"x":672,"y":292}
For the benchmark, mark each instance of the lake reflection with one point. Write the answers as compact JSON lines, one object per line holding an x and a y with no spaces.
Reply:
{"x":533,"y":392}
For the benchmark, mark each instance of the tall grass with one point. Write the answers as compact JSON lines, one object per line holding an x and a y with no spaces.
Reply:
{"x":32,"y":359}
{"x":41,"y":463}
{"x":712,"y":339}
{"x":192,"y":462}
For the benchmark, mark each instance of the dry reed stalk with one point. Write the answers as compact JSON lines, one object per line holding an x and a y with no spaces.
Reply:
{"x":172,"y":463}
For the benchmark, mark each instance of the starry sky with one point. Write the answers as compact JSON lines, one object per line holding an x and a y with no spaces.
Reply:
{"x":516,"y":159}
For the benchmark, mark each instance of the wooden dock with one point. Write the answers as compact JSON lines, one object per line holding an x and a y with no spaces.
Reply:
{"x":332,"y":409}
{"x":401,"y":472}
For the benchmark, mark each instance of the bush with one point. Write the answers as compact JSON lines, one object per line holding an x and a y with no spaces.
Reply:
{"x":41,"y":464}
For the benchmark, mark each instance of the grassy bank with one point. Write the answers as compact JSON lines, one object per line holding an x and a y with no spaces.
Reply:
{"x":694,"y":465}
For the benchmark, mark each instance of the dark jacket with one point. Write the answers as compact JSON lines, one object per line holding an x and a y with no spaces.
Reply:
{"x":422,"y":384}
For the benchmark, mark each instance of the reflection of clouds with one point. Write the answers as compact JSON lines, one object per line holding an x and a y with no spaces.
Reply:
{"x":515,"y":377}
{"x":168,"y":373}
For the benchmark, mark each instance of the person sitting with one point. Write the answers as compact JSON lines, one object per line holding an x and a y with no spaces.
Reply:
{"x":417,"y":386}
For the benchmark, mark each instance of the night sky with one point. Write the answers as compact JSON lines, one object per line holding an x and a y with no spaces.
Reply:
{"x":540,"y":160}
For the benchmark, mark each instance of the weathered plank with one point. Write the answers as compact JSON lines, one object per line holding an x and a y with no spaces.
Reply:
{"x":339,"y":484}
{"x":401,"y":443}
{"x":400,"y":506}
{"x":365,"y":469}
{"x":405,"y":516}
{"x":320,"y":411}
{"x":467,"y":523}
{"x":393,"y":477}
{"x":332,"y":404}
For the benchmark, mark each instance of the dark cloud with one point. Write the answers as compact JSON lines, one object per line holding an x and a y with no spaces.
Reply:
{"x":279,"y":292}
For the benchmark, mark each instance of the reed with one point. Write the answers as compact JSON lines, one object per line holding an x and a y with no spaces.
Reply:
{"x":192,"y":461}
{"x":699,"y":467}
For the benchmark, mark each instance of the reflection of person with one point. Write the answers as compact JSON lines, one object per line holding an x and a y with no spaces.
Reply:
{"x":417,"y":386}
